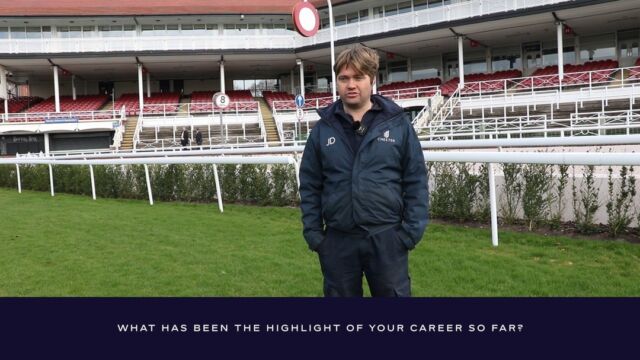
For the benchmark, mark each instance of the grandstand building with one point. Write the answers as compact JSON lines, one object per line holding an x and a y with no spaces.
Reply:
{"x":113,"y":75}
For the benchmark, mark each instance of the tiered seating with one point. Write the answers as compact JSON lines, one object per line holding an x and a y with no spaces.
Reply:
{"x":412,"y":89}
{"x":67,"y":104}
{"x":590,"y":72}
{"x":480,"y":83}
{"x":19,"y":104}
{"x":318,"y":99}
{"x":243,"y":100}
{"x":271,"y":96}
{"x":158,"y":103}
{"x":634,"y":73}
{"x":201,"y":101}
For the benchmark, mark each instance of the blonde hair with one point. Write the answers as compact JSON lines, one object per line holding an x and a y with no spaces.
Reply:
{"x":361,"y":58}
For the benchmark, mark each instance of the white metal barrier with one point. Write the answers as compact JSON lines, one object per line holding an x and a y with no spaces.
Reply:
{"x":490,"y":158}
{"x":50,"y":161}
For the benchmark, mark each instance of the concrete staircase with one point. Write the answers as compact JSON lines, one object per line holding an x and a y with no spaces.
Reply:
{"x":269,"y":122}
{"x":130,"y":128}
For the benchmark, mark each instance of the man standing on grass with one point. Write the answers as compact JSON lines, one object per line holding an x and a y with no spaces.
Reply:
{"x":363,"y":186}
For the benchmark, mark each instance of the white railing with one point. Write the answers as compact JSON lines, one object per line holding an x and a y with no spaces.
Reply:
{"x":61,"y":117}
{"x":424,"y":17}
{"x":51,"y":161}
{"x":446,"y":109}
{"x":269,"y":40}
{"x":309,"y":104}
{"x":584,"y":79}
{"x":410,"y":93}
{"x":489,"y":158}
{"x":395,"y":94}
{"x":205,"y":108}
{"x":164,"y":132}
{"x":148,"y":43}
{"x":577,"y":124}
{"x":119,"y":133}
{"x":426,"y":114}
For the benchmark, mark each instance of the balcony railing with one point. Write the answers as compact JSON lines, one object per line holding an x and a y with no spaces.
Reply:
{"x":430,"y":16}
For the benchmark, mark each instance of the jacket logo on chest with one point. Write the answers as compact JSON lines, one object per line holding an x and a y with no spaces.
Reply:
{"x":385,"y":138}
{"x":331,"y":141}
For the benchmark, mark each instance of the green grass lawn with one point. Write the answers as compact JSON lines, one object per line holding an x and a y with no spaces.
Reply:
{"x":73,"y":246}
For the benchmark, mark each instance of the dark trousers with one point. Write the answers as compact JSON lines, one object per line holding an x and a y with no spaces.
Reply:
{"x":382,"y":258}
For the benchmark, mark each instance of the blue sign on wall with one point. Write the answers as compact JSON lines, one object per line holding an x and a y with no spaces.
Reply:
{"x":299,"y":101}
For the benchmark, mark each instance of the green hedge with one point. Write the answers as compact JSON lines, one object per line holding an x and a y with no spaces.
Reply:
{"x":273,"y":185}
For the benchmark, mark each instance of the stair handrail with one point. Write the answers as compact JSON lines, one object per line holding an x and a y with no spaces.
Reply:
{"x":445,"y":110}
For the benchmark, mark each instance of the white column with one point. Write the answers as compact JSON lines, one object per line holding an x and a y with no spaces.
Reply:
{"x":47,"y":147}
{"x":56,"y":87}
{"x":333,"y":51}
{"x":73,"y":87}
{"x":148,"y":84}
{"x":222,"y":87}
{"x":461,"y":61}
{"x":493,"y":205}
{"x":293,"y":83}
{"x":140,"y":86}
{"x":4,"y":92}
{"x":560,"y":47}
{"x":301,"y":66}
{"x":576,"y":49}
{"x":488,"y":58}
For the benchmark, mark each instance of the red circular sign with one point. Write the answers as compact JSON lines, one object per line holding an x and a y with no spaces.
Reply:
{"x":306,"y":18}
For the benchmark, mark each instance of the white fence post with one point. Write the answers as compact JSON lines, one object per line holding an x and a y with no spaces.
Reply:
{"x":218,"y":190}
{"x":51,"y":180}
{"x":146,"y":172}
{"x":93,"y":182}
{"x":19,"y":183}
{"x":494,"y":205}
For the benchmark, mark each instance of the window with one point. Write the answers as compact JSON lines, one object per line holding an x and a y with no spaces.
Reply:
{"x":173,"y":30}
{"x":506,"y":58}
{"x":404,"y":7}
{"x":364,"y":14}
{"x":4,"y":33}
{"x":147,"y":30}
{"x":46,"y":32}
{"x":339,"y":20}
{"x":129,"y":30}
{"x":397,"y":71}
{"x":352,"y":18}
{"x":419,"y":5}
{"x":87,"y":31}
{"x":18,"y":33}
{"x":390,"y":10}
{"x":34,"y":33}
{"x":378,"y":12}
{"x":598,"y":47}
{"x":475,"y":66}
{"x":425,"y":68}
{"x":434,"y":3}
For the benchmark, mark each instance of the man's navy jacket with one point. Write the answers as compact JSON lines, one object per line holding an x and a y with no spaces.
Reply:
{"x":381,"y":185}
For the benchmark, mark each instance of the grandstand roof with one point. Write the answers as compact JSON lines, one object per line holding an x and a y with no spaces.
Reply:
{"x":150,"y":7}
